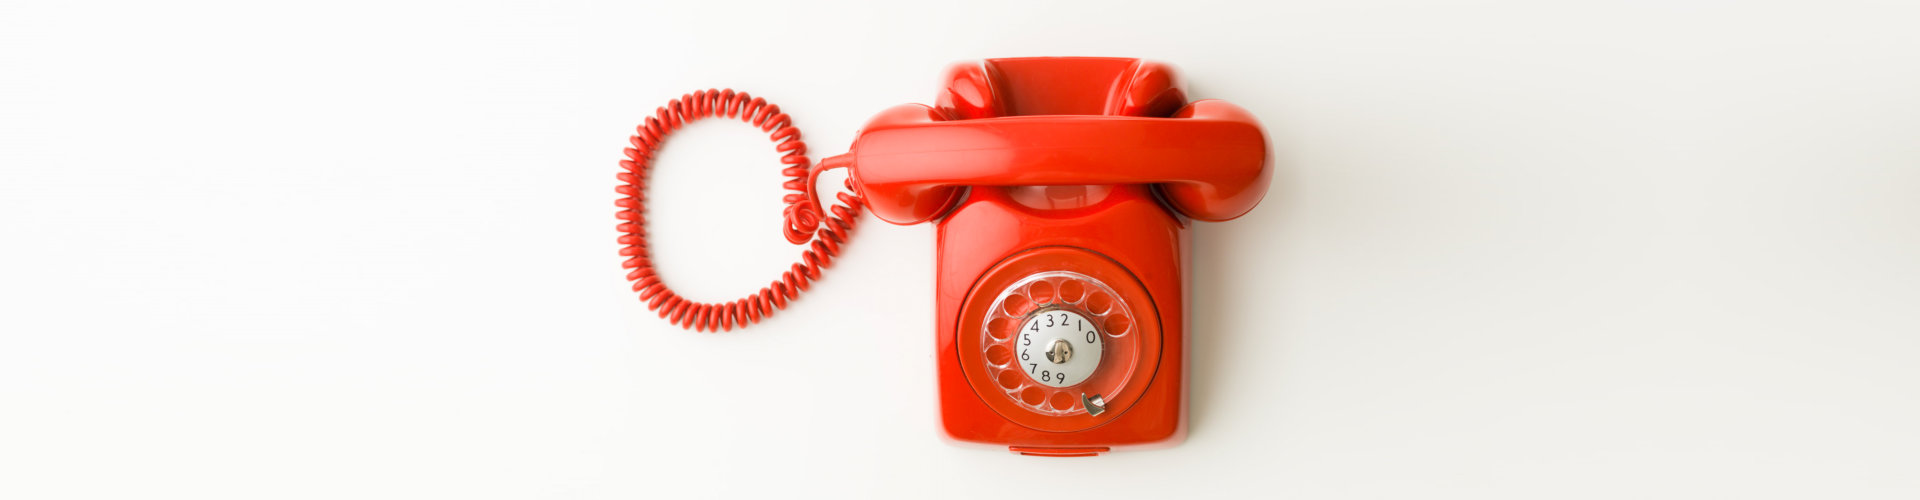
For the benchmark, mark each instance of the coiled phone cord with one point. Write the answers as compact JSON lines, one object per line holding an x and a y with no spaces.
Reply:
{"x":803,"y":223}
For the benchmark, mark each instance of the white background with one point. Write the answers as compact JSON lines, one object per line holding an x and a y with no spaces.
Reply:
{"x":341,"y":249}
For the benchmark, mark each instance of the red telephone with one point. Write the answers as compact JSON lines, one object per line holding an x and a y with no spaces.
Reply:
{"x":1062,"y":189}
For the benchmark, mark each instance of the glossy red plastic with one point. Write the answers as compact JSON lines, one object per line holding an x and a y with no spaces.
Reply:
{"x":1089,"y":165}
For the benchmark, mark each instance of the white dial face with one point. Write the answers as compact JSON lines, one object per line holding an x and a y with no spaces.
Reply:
{"x":1059,"y":348}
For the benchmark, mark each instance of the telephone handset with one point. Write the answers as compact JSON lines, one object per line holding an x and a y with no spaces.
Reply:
{"x":1061,"y":189}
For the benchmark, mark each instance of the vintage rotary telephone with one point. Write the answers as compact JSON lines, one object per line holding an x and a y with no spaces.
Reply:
{"x":1061,"y":189}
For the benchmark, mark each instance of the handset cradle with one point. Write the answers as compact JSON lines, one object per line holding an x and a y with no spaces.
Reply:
{"x":1209,"y":158}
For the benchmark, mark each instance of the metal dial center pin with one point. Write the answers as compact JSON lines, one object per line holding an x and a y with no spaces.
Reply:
{"x":1059,"y":351}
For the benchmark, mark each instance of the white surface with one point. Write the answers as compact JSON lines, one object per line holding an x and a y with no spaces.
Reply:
{"x":1647,"y":250}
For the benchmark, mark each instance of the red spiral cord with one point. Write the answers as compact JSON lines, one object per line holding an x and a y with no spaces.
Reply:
{"x":802,"y":219}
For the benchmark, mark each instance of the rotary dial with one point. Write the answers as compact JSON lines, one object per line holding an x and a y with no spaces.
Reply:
{"x":1058,"y":343}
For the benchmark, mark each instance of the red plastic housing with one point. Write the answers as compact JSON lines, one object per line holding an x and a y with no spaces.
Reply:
{"x":1091,"y":166}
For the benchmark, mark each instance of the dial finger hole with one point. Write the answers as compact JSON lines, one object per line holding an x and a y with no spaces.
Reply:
{"x":1010,"y":379}
{"x":1118,"y":324}
{"x":999,"y":355}
{"x":1062,"y":401}
{"x":1041,"y":291}
{"x":1099,"y":302}
{"x":1017,"y":305}
{"x":1033,"y":396}
{"x":1000,"y":329}
{"x":1071,"y":291}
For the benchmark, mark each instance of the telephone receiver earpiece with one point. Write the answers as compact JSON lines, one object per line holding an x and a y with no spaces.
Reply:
{"x":1207,"y":159}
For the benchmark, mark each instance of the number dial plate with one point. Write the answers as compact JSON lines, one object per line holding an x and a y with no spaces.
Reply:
{"x":1040,"y":347}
